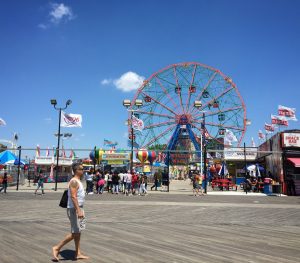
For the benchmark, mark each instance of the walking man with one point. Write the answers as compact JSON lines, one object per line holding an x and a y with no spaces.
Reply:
{"x":41,"y":179}
{"x":76,"y":195}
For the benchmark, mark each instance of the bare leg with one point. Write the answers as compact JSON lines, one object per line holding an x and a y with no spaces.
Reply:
{"x":57,"y":248}
{"x":78,"y":254}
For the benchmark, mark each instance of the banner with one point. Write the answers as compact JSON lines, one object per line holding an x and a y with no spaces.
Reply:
{"x":109,"y":143}
{"x":2,"y":122}
{"x":137,"y":124}
{"x":38,"y":151}
{"x":288,"y":113}
{"x":279,"y":120}
{"x":269,"y":128}
{"x":229,"y":137}
{"x":71,"y":120}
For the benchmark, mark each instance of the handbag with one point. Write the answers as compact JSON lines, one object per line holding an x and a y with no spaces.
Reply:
{"x":64,"y":200}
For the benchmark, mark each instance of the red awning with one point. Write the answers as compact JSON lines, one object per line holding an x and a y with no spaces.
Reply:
{"x":295,"y":161}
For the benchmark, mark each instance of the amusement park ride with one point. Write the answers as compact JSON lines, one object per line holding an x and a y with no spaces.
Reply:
{"x":182,"y":103}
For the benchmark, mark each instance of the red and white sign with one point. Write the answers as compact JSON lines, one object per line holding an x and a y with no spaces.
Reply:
{"x":289,"y":113}
{"x":71,"y":120}
{"x":279,"y":120}
{"x":291,"y":139}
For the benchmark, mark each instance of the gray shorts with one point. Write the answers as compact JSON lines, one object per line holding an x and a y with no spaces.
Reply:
{"x":74,"y":220}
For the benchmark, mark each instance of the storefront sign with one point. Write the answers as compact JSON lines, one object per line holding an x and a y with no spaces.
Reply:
{"x":291,"y":140}
{"x":115,"y":156}
{"x":110,"y":162}
{"x":48,"y":160}
{"x":237,"y":154}
{"x":44,"y":160}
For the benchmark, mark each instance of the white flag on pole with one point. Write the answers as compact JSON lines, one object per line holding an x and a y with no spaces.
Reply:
{"x":229,"y":137}
{"x":2,"y":122}
{"x":71,"y":120}
{"x":288,"y":113}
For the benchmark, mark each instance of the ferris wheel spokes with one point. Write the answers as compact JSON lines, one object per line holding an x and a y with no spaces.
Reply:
{"x":159,"y":136}
{"x":158,"y":102}
{"x":190,"y":90}
{"x":165,"y":91}
{"x":179,"y":93}
{"x":159,"y":124}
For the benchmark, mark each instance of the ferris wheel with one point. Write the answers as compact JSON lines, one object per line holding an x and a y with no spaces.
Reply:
{"x":169,"y":98}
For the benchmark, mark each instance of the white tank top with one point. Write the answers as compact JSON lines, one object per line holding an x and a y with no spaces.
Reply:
{"x":80,"y":194}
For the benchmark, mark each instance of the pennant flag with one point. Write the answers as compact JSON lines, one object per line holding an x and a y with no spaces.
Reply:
{"x":135,"y":144}
{"x":279,"y":120}
{"x":63,"y":153}
{"x":223,"y":171}
{"x":261,"y":135}
{"x":229,"y":137}
{"x":269,"y":128}
{"x":47,"y":152}
{"x":137,"y":124}
{"x":71,"y":120}
{"x":288,"y":113}
{"x":72,"y":154}
{"x":38,"y":151}
{"x":110,"y":143}
{"x":252,"y":142}
{"x":2,"y":122}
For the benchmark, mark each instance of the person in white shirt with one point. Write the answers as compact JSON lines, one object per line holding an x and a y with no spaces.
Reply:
{"x":76,"y":196}
{"x":128,"y":180}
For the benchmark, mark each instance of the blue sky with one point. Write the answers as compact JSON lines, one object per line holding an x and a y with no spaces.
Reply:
{"x":79,"y":49}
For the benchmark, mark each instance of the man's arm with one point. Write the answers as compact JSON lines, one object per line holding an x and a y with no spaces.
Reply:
{"x":73,"y":189}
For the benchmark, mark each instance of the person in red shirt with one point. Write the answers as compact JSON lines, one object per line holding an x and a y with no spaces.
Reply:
{"x":135,"y":185}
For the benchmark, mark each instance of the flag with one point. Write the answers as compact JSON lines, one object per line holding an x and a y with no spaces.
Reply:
{"x":279,"y":120}
{"x":135,"y":144}
{"x":252,"y":142}
{"x":63,"y":153}
{"x":261,"y":135}
{"x":71,"y":120}
{"x":269,"y":128}
{"x":2,"y":122}
{"x":72,"y":154}
{"x":223,"y":171}
{"x":110,"y":143}
{"x":38,"y":151}
{"x":137,"y":124}
{"x":47,"y":152}
{"x":229,"y":137}
{"x":288,"y":113}
{"x":54,"y":151}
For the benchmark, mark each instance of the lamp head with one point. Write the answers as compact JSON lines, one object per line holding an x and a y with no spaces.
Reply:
{"x":138,"y":103}
{"x":197,"y":104}
{"x":126,"y":103}
{"x":68,"y":102}
{"x":53,"y":102}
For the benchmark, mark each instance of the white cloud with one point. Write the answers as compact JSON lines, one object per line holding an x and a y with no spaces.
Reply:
{"x":42,"y":26}
{"x":60,"y":12}
{"x":129,"y":81}
{"x":106,"y":81}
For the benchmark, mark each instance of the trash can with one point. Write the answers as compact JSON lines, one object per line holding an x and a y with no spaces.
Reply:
{"x":268,"y":186}
{"x":267,"y":189}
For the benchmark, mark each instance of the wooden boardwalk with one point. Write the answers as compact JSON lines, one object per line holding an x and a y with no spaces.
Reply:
{"x":155,"y":228}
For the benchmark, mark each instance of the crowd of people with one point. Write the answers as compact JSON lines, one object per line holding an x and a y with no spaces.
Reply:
{"x":119,"y":182}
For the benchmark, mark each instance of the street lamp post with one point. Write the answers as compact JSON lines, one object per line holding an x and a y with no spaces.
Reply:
{"x":198,"y":104}
{"x":54,"y":103}
{"x":127,"y":104}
